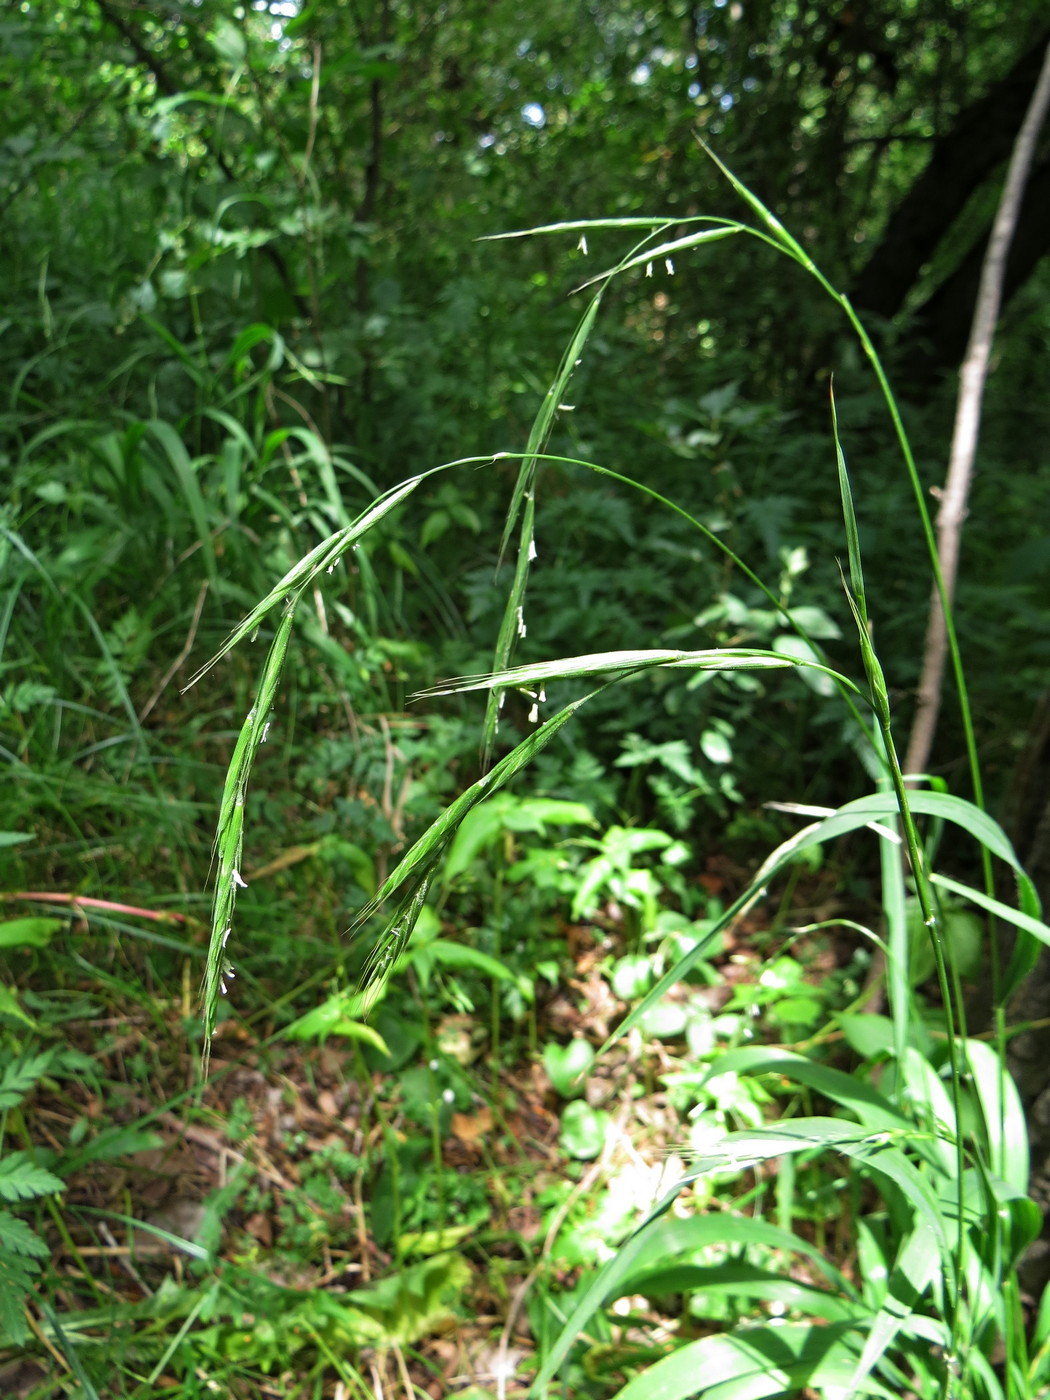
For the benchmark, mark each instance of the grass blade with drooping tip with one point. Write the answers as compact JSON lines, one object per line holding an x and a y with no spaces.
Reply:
{"x":321,"y":558}
{"x":626,"y":663}
{"x":425,"y":852}
{"x":229,"y":839}
{"x":666,"y":251}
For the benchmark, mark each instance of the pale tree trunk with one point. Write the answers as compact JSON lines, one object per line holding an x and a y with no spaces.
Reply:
{"x":972,"y":378}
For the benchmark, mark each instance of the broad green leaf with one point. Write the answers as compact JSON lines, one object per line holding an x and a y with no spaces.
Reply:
{"x":566,"y":1066}
{"x":868,"y":1035}
{"x":916,"y":1266}
{"x":1041,"y":1328}
{"x":871,"y":1107}
{"x":463,"y":956}
{"x":755,"y":1363}
{"x":736,"y":1151}
{"x":508,"y":812}
{"x":873,"y":1262}
{"x":894,"y":908}
{"x":873,"y":810}
{"x":810,"y":662}
{"x":478,"y":830}
{"x":28,"y":933}
{"x":962,"y":933}
{"x":584,"y":1130}
{"x":434,"y":1241}
{"x":632,"y":976}
{"x":739,"y":1151}
{"x":1005,"y":1125}
{"x":953,"y":809}
{"x":536,"y":814}
{"x":816,"y":623}
{"x":878,"y":1152}
{"x":736,"y":1280}
{"x":667,"y":1239}
{"x":929,"y":1096}
{"x":1017,"y":917}
{"x":666,"y":1020}
{"x":337,"y":1016}
{"x":228,"y":42}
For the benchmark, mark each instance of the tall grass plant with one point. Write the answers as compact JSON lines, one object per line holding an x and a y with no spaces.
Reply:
{"x":928,"y":1129}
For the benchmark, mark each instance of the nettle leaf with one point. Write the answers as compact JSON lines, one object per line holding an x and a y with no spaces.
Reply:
{"x":22,"y":1180}
{"x":17,"y":1238}
{"x":16,"y":1281}
{"x":416,"y":1301}
{"x":17,"y":1079}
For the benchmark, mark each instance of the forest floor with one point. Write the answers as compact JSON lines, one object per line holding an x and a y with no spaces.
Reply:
{"x":248,"y":1221}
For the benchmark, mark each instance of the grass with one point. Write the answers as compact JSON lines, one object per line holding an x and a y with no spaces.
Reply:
{"x":846,"y":1194}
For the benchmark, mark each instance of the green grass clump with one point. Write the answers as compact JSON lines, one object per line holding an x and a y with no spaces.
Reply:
{"x":931,"y":1140}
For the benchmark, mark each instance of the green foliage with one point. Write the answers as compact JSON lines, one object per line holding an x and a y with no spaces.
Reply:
{"x":566,"y":1065}
{"x":584,"y":1130}
{"x":911,"y":1147}
{"x":244,"y":296}
{"x":22,"y":1178}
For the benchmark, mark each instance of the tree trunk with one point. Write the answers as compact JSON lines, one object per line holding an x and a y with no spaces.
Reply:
{"x":978,"y":141}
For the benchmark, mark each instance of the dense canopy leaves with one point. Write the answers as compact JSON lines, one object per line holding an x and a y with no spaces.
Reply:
{"x":323,"y":169}
{"x":273,"y":211}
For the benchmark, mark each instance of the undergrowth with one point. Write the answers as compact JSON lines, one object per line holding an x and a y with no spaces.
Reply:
{"x":716,"y":1168}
